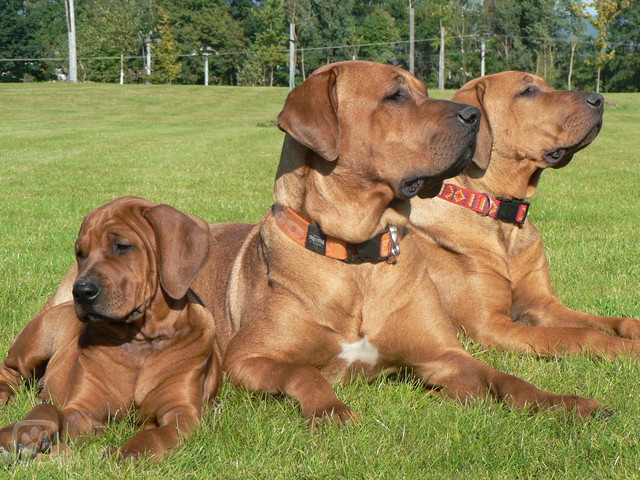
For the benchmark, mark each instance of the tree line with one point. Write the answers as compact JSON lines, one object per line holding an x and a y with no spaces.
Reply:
{"x":246,"y":42}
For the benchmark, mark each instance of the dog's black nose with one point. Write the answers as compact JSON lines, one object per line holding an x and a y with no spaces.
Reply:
{"x":469,"y":115}
{"x":86,"y":290}
{"x":595,"y":100}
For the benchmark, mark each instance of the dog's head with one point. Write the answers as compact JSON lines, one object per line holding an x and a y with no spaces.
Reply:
{"x":370,"y":137}
{"x":130,"y":250}
{"x":523,"y":118}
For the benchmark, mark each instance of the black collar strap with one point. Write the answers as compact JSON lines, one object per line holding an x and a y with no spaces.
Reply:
{"x":383,"y":247}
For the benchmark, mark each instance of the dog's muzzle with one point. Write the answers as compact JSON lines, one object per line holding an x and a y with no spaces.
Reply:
{"x":86,"y":291}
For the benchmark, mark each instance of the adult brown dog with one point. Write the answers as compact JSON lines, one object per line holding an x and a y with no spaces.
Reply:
{"x":135,"y":335}
{"x":318,"y":289}
{"x":492,"y":275}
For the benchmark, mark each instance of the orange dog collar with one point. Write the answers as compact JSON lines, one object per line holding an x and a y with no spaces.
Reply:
{"x":384,"y":246}
{"x":506,"y":209}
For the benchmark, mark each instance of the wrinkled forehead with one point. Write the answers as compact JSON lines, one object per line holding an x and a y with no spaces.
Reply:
{"x":120,"y":219}
{"x":369,"y":77}
{"x":521,"y":79}
{"x":530,"y":78}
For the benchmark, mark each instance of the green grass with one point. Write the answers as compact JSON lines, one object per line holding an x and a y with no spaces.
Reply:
{"x":65,"y":149}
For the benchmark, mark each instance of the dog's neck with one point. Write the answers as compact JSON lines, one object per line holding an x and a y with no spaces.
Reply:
{"x":162,"y":319}
{"x":506,"y":177}
{"x":343,"y":203}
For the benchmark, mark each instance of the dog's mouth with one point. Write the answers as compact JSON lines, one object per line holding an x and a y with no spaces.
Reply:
{"x":410,"y":188}
{"x":93,"y":317}
{"x":554,"y":157}
{"x":560,"y":157}
{"x":430,"y":186}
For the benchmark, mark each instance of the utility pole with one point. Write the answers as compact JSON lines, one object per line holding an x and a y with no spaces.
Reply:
{"x":206,"y":69}
{"x":441,"y":61}
{"x":412,"y":39}
{"x":71,"y":29}
{"x":482,"y":56}
{"x":573,"y":51}
{"x":147,"y":63}
{"x":292,"y":56}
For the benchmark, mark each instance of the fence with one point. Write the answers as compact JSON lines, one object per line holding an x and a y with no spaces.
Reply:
{"x":464,"y":60}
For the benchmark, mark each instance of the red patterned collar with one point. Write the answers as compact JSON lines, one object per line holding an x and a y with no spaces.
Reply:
{"x":509,"y":210}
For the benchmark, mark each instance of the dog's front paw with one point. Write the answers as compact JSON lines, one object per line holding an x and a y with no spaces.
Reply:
{"x":586,"y":408}
{"x":6,"y":392}
{"x":337,"y":412}
{"x":628,"y":328}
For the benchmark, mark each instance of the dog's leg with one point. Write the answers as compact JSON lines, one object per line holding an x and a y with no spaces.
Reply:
{"x":31,"y":349}
{"x":499,"y":331}
{"x":536,"y":304}
{"x":157,"y":441}
{"x":64,"y":291}
{"x":35,"y":433}
{"x":487,"y":321}
{"x":304,"y":383}
{"x":422,"y":337}
{"x":491,"y":292}
{"x":463,"y":377}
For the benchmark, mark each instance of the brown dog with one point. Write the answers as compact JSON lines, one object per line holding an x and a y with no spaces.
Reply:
{"x":324,"y":285}
{"x":319,"y":288}
{"x":492,"y":275}
{"x":135,"y":335}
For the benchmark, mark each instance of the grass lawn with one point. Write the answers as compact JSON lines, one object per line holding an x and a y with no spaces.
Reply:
{"x":65,"y":149}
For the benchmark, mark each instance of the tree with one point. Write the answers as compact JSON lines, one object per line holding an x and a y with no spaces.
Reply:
{"x":111,"y":28}
{"x":271,"y":40}
{"x":623,"y":71}
{"x":16,"y":41}
{"x":209,"y":26}
{"x":378,"y":27}
{"x":606,"y":12}
{"x":335,"y":27}
{"x":573,"y":26}
{"x":166,"y":51}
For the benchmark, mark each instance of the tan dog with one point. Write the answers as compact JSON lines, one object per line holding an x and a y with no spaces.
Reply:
{"x":492,"y":275}
{"x":318,"y":289}
{"x":136,"y":335}
{"x":362,"y":139}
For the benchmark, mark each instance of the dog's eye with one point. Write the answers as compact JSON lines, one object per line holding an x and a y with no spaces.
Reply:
{"x":397,"y":96}
{"x":79,"y":255}
{"x":530,"y":91}
{"x":120,"y":248}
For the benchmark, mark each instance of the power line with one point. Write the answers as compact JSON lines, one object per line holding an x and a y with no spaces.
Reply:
{"x":338,"y":47}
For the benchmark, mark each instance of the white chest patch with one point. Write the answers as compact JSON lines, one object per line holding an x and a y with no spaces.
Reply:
{"x":361,"y":351}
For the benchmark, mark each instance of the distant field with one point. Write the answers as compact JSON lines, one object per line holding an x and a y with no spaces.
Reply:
{"x":65,"y":149}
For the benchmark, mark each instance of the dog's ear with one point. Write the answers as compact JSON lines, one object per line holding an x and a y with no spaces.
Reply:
{"x":183,"y":244}
{"x":309,"y":115}
{"x":473,"y":94}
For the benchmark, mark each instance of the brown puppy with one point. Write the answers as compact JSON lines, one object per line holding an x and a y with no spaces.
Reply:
{"x":492,"y":275}
{"x":362,"y":139}
{"x":135,"y":336}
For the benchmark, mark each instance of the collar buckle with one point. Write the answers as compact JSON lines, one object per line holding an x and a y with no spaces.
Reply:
{"x":512,"y":210}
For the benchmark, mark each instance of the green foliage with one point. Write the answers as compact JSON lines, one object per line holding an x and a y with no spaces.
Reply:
{"x":271,"y":38}
{"x":248,"y":40}
{"x":378,"y":27}
{"x":622,"y":73}
{"x":206,"y":27}
{"x":605,"y":12}
{"x":17,"y":41}
{"x":110,"y":28}
{"x":166,"y":51}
